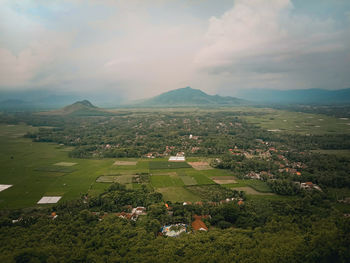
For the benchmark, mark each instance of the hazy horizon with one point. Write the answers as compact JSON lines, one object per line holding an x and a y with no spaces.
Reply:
{"x":138,"y":49}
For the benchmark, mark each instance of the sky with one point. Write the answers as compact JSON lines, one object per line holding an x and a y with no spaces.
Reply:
{"x":140,"y":48}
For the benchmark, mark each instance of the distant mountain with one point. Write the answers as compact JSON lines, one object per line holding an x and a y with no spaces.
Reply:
{"x":190,"y":97}
{"x":303,"y":96}
{"x":49,"y":99}
{"x":15,"y":104}
{"x":79,"y":108}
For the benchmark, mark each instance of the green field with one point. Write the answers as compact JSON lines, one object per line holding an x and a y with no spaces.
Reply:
{"x":178,"y":194}
{"x":157,"y":165}
{"x":187,"y":180}
{"x":211,"y":192}
{"x":33,"y":171}
{"x":29,"y":167}
{"x":298,"y":122}
{"x":166,"y":180}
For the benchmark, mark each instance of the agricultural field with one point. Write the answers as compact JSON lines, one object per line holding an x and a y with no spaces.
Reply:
{"x":166,"y":180}
{"x":298,"y":122}
{"x":30,"y":168}
{"x":212,"y":192}
{"x":178,"y":194}
{"x":157,"y":165}
{"x":36,"y":169}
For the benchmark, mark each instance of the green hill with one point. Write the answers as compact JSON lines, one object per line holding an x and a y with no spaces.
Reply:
{"x":188,"y":96}
{"x":80,"y":108}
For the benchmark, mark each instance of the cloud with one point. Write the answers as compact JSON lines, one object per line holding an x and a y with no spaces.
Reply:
{"x":125,"y":49}
{"x":143,"y":48}
{"x":271,"y":46}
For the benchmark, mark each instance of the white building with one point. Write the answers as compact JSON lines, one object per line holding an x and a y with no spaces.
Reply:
{"x":177,"y":159}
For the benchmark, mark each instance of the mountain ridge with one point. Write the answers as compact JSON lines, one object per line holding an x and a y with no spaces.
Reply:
{"x":297,"y":96}
{"x":190,"y":97}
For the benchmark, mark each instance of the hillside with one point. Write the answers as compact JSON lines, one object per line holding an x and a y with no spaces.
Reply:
{"x":188,"y":96}
{"x":79,"y":108}
{"x":302,"y":96}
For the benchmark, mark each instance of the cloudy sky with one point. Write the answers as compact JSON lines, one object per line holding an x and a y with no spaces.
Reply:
{"x":140,"y":48}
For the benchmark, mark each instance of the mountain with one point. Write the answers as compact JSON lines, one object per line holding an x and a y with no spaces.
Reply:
{"x":79,"y":108}
{"x":49,"y":99}
{"x":301,"y":96}
{"x":190,"y":97}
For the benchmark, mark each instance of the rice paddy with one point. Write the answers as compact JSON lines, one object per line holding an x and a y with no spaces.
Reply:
{"x":35,"y":170}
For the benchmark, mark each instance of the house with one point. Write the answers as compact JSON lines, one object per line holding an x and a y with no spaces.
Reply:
{"x":174,"y":230}
{"x":135,"y":213}
{"x":198,"y":224}
{"x":310,"y":186}
{"x":140,"y":210}
{"x":124,"y":215}
{"x":253,"y":175}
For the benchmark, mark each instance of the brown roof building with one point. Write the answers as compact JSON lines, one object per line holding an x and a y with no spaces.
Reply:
{"x":198,"y":224}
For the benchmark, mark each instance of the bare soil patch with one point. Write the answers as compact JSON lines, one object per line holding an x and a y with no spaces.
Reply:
{"x":125,"y":163}
{"x":200,"y":165}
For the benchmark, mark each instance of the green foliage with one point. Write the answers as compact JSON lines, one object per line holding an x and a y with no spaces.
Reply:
{"x":284,"y":187}
{"x":214,"y":193}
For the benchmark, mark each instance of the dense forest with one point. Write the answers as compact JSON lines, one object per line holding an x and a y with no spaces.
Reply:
{"x":304,"y":230}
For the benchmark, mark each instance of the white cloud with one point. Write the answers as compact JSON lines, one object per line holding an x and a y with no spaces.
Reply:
{"x":148,"y":47}
{"x":266,"y":41}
